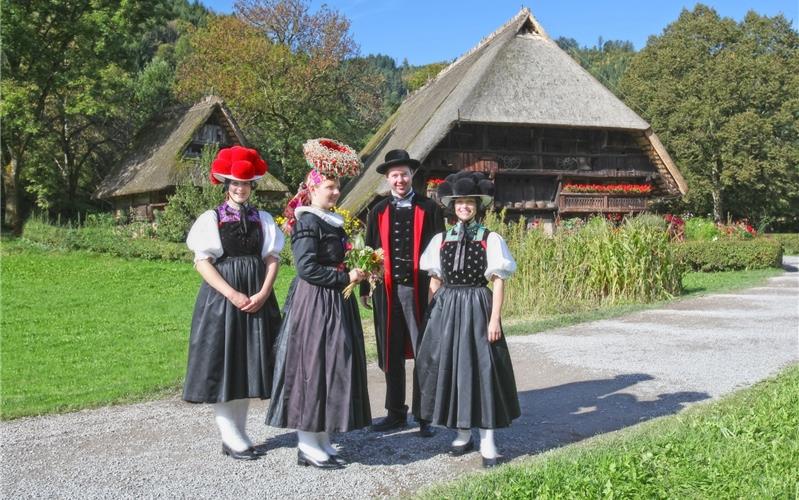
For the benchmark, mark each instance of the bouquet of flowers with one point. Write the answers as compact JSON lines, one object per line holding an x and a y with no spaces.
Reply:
{"x":363,"y":257}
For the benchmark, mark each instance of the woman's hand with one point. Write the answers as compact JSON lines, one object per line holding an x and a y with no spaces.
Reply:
{"x":239,"y":299}
{"x":494,"y":330}
{"x":356,"y":275}
{"x":257,"y":301}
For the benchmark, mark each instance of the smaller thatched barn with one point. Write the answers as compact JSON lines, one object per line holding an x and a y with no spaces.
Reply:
{"x":166,"y":153}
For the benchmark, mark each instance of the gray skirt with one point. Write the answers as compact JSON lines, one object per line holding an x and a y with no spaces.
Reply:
{"x":465,"y":380}
{"x":230,"y":350}
{"x":320,"y":382}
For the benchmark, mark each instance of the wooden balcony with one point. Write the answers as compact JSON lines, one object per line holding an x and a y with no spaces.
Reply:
{"x":599,"y":203}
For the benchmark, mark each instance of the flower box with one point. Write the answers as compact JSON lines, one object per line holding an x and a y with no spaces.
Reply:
{"x":601,"y":202}
{"x":609,"y":189}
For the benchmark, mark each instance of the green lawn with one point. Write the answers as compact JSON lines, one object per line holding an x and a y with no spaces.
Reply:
{"x":745,"y":446}
{"x":82,"y":330}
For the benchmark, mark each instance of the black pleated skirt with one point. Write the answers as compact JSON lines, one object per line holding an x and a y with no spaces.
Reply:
{"x":230,"y":350}
{"x":320,"y":382}
{"x":465,"y":380}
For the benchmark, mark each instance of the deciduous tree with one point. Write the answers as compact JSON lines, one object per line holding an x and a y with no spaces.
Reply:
{"x":724,"y":98}
{"x":289,"y":75}
{"x":66,"y":65}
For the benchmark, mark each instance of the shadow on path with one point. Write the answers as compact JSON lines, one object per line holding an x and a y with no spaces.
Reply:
{"x":567,"y":413}
{"x":551,"y":417}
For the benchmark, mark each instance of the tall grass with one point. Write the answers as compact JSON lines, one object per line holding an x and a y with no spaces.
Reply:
{"x":593,"y":265}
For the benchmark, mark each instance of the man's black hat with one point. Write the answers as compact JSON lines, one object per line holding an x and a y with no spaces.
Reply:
{"x":397,"y":157}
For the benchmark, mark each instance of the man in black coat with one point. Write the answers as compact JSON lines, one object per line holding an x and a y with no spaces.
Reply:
{"x":402,"y":225}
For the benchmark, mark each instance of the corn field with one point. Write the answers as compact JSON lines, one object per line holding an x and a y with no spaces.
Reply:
{"x":593,"y":265}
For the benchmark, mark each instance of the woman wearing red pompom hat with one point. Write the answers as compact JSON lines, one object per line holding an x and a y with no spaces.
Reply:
{"x":236,"y":316}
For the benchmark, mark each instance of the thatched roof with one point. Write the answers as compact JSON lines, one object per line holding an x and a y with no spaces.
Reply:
{"x":517,"y":75}
{"x":155,"y":162}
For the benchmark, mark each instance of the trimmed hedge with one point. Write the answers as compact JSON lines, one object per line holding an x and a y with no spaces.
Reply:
{"x":790,"y":242}
{"x":120,"y":241}
{"x":131,"y":241}
{"x":730,"y":255}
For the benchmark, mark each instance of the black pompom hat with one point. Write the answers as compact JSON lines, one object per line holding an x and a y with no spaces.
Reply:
{"x":466,"y":184}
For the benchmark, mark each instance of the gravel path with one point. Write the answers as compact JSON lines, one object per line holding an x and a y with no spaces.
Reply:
{"x":573,"y":383}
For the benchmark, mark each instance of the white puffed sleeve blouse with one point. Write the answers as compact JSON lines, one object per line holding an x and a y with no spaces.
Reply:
{"x":204,"y":241}
{"x":500,"y":262}
{"x":431,"y":257}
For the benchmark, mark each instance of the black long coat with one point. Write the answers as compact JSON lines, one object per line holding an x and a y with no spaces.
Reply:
{"x":428,"y":220}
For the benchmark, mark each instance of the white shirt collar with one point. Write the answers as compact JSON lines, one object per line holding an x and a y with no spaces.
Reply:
{"x":331,"y":218}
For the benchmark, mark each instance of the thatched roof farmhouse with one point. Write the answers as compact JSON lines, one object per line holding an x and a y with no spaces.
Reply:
{"x":519,"y":107}
{"x":166,"y":153}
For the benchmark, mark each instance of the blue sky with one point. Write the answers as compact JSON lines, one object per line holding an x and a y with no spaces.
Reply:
{"x":441,"y":30}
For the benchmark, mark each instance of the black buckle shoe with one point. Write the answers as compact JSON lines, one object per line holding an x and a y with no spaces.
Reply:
{"x":248,"y":454}
{"x":389,"y":423}
{"x":489,"y":463}
{"x":461,"y":449}
{"x":305,"y":461}
{"x":426,"y":430}
{"x":338,"y":459}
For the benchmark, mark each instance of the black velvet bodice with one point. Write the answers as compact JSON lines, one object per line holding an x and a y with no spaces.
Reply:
{"x":474,"y":267}
{"x":236,"y":243}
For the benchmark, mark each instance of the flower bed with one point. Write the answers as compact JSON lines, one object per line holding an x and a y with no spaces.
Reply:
{"x":626,"y":189}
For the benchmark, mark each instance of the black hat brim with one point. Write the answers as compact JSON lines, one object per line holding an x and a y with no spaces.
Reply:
{"x":410,"y":163}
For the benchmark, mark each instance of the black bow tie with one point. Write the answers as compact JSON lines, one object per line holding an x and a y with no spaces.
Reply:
{"x":402,"y":202}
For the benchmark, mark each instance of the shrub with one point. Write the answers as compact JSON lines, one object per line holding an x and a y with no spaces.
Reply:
{"x":699,"y":228}
{"x":189,"y":201}
{"x":790,"y":242}
{"x":184,"y":207}
{"x":588,"y":265}
{"x":101,"y":219}
{"x":730,"y":255}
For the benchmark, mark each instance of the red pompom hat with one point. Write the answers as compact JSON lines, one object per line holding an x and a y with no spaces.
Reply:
{"x":237,"y":164}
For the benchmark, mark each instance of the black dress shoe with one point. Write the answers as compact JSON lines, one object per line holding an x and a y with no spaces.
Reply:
{"x":305,"y":461}
{"x":390,"y":422}
{"x":491,"y":462}
{"x":258,"y":452}
{"x":426,"y":430}
{"x":248,"y":454}
{"x":337,"y":458}
{"x":460,"y":449}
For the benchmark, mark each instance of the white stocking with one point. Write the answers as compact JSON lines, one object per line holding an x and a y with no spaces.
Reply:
{"x":463,"y":437}
{"x":487,"y":447}
{"x":225,"y":416}
{"x":323,"y":438}
{"x":241,"y":407}
{"x":308,"y":444}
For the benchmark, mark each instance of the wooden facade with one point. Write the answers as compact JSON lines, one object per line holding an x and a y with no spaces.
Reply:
{"x":530,"y":166}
